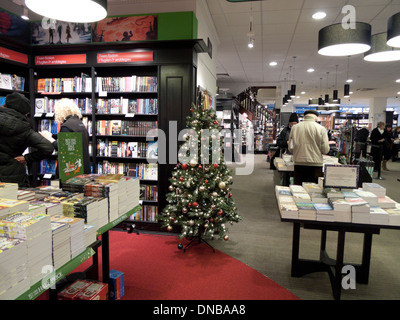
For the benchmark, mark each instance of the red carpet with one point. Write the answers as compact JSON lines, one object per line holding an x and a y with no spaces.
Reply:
{"x":155,"y":269}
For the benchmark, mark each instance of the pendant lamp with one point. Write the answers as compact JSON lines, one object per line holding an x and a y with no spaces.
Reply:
{"x":335,"y":40}
{"x":393,"y":31}
{"x":79,"y":11}
{"x":335,"y":95}
{"x":293,"y":90}
{"x":380,"y":51}
{"x":346,"y":90}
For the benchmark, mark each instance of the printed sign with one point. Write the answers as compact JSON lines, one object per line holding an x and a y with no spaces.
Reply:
{"x":70,"y":155}
{"x":13,"y":55}
{"x":60,"y":59}
{"x":122,"y":57}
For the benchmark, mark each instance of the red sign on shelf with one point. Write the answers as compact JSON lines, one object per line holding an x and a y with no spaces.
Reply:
{"x":13,"y":55}
{"x":121,"y":57}
{"x":61,"y":59}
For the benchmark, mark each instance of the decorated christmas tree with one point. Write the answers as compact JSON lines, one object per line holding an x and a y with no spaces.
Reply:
{"x":200,"y":199}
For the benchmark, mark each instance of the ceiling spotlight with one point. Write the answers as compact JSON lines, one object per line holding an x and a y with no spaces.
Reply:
{"x":303,"y":92}
{"x":273,"y":63}
{"x":79,"y":11}
{"x":319,"y":15}
{"x":398,"y":80}
{"x":349,"y":80}
{"x":310,"y":70}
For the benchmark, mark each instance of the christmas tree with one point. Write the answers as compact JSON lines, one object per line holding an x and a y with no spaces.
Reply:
{"x":200,"y":198}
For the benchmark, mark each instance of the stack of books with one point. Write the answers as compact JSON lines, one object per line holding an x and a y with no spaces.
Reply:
{"x":288,"y":207}
{"x":8,"y":190}
{"x":61,"y":243}
{"x":386,"y":203}
{"x":341,"y":209}
{"x":324,"y":212}
{"x":375,"y":188}
{"x":102,"y":204}
{"x":52,"y":208}
{"x":307,"y":211}
{"x":332,"y":193}
{"x":394,"y":215}
{"x":132,"y":192}
{"x":90,"y":234}
{"x":77,"y":235}
{"x":379,"y":216}
{"x":282,"y":191}
{"x":37,"y":208}
{"x":105,"y":189}
{"x":14,"y":279}
{"x":35,"y":229}
{"x":368,"y":196}
{"x":8,"y":206}
{"x":26,"y":195}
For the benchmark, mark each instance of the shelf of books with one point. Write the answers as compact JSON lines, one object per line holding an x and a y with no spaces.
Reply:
{"x":14,"y":73}
{"x":126,"y":113}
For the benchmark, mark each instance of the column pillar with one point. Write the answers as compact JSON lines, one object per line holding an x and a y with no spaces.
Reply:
{"x":377,"y":108}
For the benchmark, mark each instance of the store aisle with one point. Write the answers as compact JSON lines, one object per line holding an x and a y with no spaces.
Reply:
{"x":264,"y":243}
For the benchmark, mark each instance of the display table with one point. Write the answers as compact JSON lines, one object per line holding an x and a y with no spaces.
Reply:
{"x":301,"y":267}
{"x":43,"y":285}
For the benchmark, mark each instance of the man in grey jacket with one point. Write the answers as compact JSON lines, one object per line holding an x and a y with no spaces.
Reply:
{"x":308,"y":141}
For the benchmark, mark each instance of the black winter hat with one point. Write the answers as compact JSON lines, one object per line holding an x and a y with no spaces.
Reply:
{"x":293,"y":117}
{"x":311,"y":111}
{"x":18,"y":102}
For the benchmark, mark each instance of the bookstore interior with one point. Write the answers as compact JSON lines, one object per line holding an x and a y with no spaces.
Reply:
{"x":128,"y":93}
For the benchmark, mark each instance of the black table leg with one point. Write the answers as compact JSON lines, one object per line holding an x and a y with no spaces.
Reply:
{"x":295,"y":250}
{"x":105,"y":256}
{"x":337,"y":280}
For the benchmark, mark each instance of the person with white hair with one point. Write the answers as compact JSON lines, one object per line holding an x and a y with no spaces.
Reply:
{"x":67,"y":113}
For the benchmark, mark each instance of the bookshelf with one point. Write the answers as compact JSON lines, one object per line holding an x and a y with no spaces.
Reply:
{"x":121,"y":101}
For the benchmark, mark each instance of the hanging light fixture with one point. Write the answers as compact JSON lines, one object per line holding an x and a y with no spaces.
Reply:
{"x":250,"y":34}
{"x":380,"y":51}
{"x":346,"y":90}
{"x":335,"y":40}
{"x":393,"y":31}
{"x":293,"y":86}
{"x":24,"y":14}
{"x":335,"y":92}
{"x":79,"y":11}
{"x":327,"y":88}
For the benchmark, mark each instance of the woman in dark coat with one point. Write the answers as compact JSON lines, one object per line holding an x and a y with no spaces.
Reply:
{"x":377,"y":144}
{"x":16,"y":135}
{"x":68,"y":114}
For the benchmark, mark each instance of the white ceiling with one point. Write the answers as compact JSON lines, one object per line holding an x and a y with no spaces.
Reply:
{"x":285,"y":29}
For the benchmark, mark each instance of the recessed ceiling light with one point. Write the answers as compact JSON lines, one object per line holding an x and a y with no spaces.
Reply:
{"x":319,"y":15}
{"x":398,"y":92}
{"x":303,"y":92}
{"x":273,"y":63}
{"x":310,"y":70}
{"x":398,"y":80}
{"x":349,"y":80}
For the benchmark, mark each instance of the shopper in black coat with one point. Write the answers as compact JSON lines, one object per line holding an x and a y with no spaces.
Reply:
{"x":377,"y":144}
{"x":68,"y":114}
{"x":16,"y":135}
{"x":283,"y":138}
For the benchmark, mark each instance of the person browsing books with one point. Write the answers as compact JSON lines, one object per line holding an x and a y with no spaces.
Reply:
{"x":16,"y":135}
{"x":308,"y":141}
{"x":67,"y":113}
